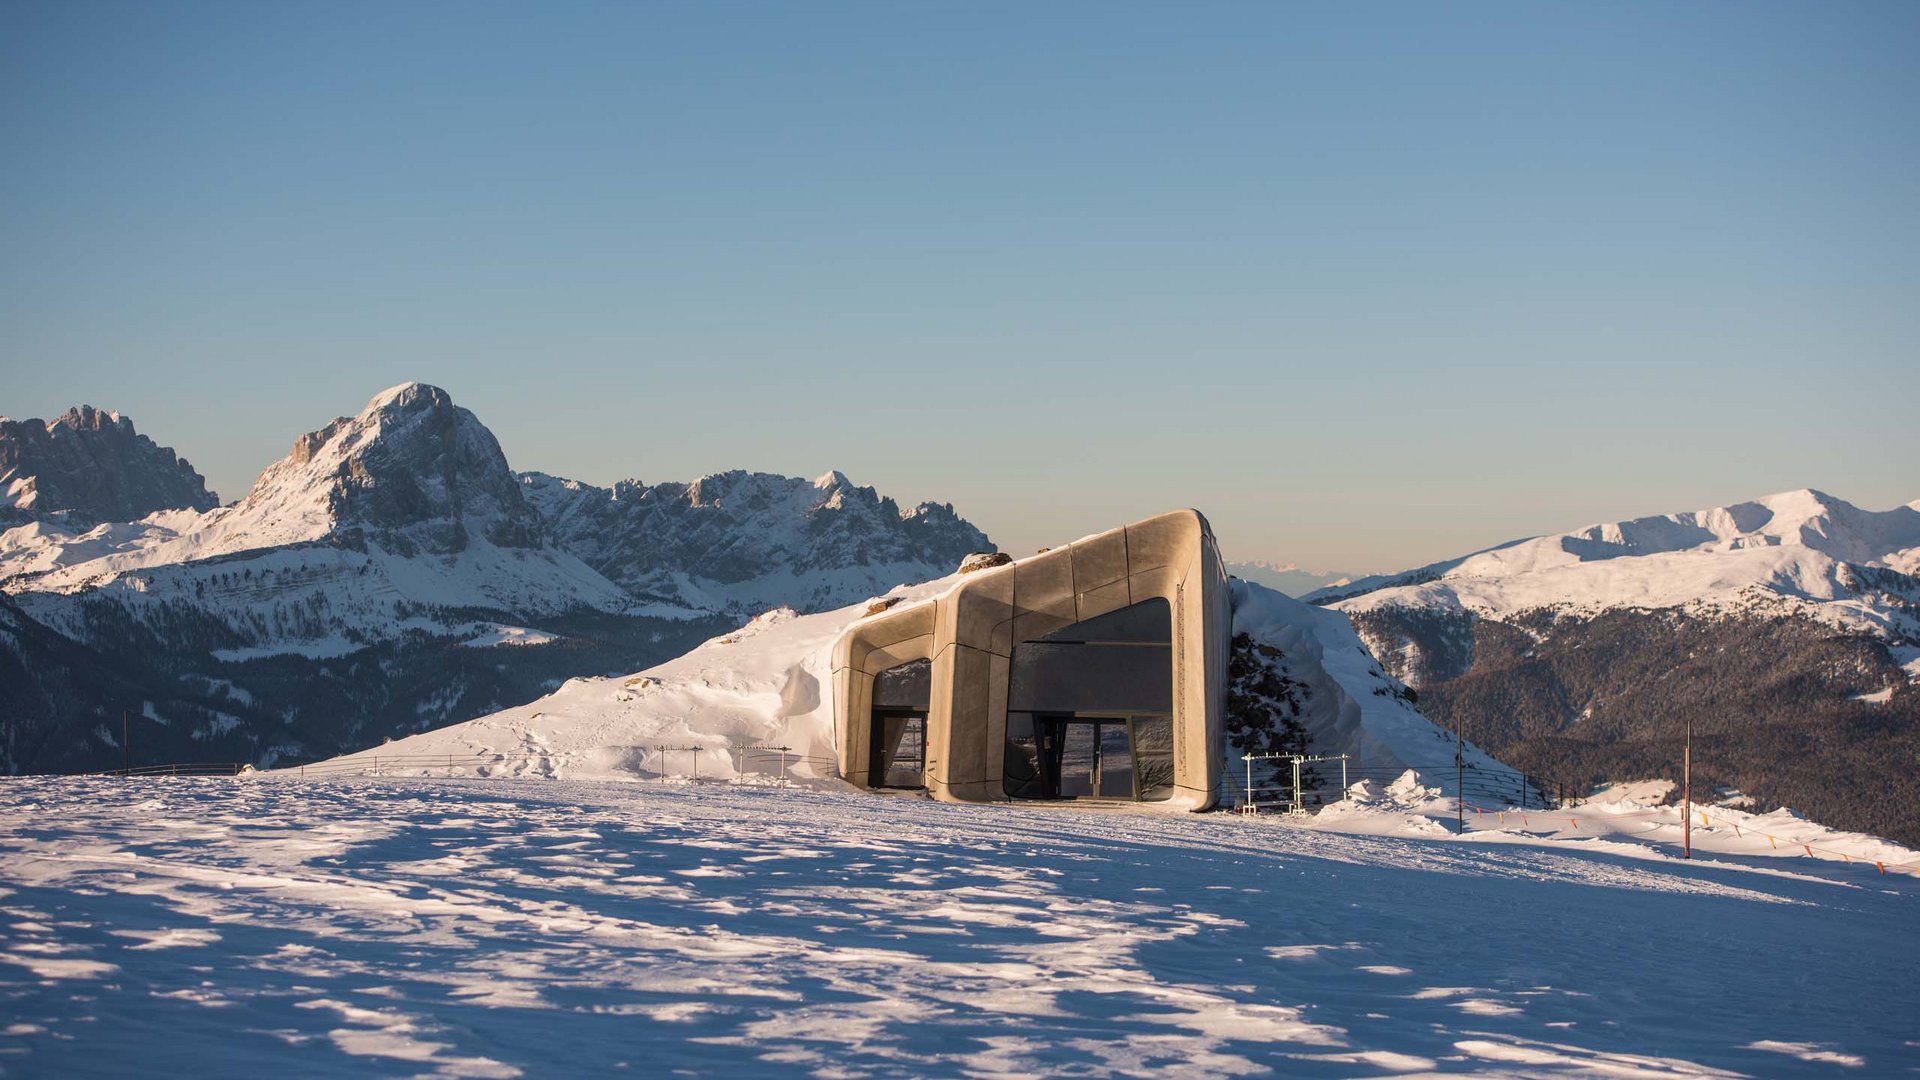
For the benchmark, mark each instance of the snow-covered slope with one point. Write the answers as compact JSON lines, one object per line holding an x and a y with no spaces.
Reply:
{"x":1801,"y":550}
{"x":765,"y":683}
{"x":1356,"y":708}
{"x":744,"y":542}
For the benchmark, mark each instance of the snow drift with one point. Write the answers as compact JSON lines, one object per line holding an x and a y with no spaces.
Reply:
{"x":766,"y":685}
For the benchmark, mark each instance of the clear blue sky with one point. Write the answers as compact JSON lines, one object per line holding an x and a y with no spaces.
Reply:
{"x":1370,"y":284}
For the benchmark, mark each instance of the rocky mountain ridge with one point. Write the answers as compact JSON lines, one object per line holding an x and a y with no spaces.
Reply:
{"x":743,"y":542}
{"x":91,"y":466}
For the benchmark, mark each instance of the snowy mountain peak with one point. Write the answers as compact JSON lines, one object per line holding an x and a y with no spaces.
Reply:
{"x":832,"y":478}
{"x":405,"y":394}
{"x":412,"y":469}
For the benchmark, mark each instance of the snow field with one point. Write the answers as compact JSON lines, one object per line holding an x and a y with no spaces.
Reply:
{"x":506,"y":928}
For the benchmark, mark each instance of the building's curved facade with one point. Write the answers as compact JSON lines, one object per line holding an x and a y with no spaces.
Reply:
{"x":1095,"y":670}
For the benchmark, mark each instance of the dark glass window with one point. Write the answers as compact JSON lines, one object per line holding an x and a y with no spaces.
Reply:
{"x":899,"y":741}
{"x":1089,"y":709}
{"x":1119,"y":662}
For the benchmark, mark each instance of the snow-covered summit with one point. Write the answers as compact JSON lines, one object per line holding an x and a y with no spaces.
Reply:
{"x":412,"y":468}
{"x":1805,"y":548}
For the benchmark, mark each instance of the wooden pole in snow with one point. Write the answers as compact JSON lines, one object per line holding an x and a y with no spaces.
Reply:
{"x":1686,"y":795}
{"x":1459,"y":779}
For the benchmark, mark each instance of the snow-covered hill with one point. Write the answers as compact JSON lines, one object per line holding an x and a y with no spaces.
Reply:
{"x":744,"y":542}
{"x":1801,"y":550}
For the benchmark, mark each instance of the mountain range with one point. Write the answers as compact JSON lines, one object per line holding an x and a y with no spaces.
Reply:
{"x":389,"y":574}
{"x":1288,"y":578}
{"x":392,"y":573}
{"x":1785,"y":629}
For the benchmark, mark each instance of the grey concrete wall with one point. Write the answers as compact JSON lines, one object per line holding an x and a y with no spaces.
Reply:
{"x":969,"y":635}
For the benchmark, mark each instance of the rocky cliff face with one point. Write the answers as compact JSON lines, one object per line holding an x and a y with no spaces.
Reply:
{"x":93,"y":465}
{"x":742,"y":542}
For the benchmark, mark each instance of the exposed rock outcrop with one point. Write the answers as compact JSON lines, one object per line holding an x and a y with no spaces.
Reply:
{"x":745,"y":541}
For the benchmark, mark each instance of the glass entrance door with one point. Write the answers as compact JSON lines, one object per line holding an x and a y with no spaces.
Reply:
{"x":899,"y":749}
{"x":1095,"y":757}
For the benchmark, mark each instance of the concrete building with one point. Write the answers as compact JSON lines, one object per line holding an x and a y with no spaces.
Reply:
{"x":1096,"y":670}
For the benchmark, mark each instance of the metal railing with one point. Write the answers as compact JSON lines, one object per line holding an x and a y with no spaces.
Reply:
{"x":1268,"y":784}
{"x":193,"y":768}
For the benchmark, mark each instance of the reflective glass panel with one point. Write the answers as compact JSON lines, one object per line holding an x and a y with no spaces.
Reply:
{"x":1114,"y":777}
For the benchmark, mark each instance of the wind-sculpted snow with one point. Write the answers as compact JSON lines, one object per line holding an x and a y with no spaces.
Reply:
{"x":510,"y":928}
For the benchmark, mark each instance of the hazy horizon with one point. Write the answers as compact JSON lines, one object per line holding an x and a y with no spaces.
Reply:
{"x":1371,"y":287}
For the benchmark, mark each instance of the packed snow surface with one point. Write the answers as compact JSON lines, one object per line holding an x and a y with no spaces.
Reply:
{"x":499,"y":928}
